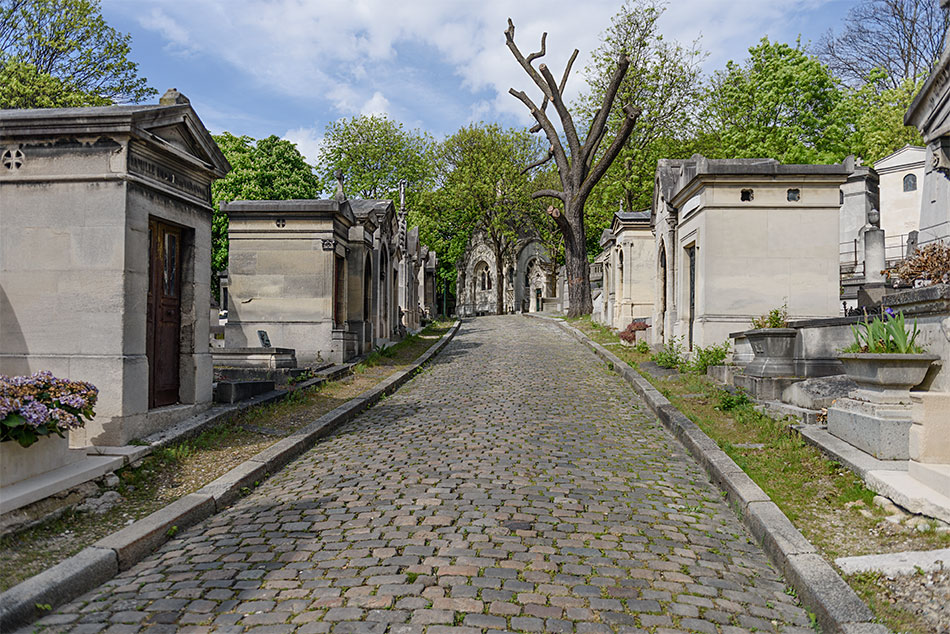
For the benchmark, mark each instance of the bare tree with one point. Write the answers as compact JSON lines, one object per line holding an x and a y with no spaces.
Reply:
{"x":580,"y":166}
{"x":902,"y":37}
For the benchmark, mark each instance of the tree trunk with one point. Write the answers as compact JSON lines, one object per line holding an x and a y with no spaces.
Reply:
{"x":576,"y":265}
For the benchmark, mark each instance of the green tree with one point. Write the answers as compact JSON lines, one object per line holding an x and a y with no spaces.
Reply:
{"x":375,"y":153}
{"x":876,"y":117}
{"x":780,"y":103}
{"x":665,"y":82}
{"x":268,"y":169}
{"x":62,"y":52}
{"x":484,"y":187}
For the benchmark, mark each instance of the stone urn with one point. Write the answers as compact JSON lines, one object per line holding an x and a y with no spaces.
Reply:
{"x":886,"y":377}
{"x":774,"y":350}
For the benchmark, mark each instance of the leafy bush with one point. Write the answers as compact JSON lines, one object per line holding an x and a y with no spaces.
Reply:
{"x":42,"y":405}
{"x":731,"y":400}
{"x":885,"y":335}
{"x":642,"y":347}
{"x":671,"y":355}
{"x":775,"y":318}
{"x":630,"y":333}
{"x":704,"y":357}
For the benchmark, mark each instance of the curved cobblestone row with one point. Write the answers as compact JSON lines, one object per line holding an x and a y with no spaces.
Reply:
{"x":515,"y":484}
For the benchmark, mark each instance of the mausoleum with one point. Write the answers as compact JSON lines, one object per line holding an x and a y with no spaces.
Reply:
{"x":106,"y":258}
{"x":737,"y":238}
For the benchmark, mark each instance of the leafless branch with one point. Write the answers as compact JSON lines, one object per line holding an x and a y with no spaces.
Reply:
{"x":541,"y":161}
{"x":563,"y":164}
{"x":567,"y":123}
{"x":599,"y":126}
{"x":598,"y":171}
{"x":548,"y":193}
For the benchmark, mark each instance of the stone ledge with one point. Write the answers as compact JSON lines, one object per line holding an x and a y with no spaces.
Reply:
{"x":41,"y":486}
{"x":137,"y":540}
{"x":819,"y":587}
{"x":69,"y":578}
{"x":122,"y":549}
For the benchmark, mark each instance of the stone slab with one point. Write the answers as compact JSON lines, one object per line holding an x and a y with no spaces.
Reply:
{"x":27,"y":491}
{"x":775,"y":532}
{"x":235,"y":391}
{"x":825,"y":592}
{"x":910,"y":493}
{"x":69,"y":578}
{"x":818,"y":393}
{"x":139,"y":539}
{"x":905,"y":563}
{"x":883,"y":438}
{"x":763,"y":388}
{"x":847,"y":454}
{"x":935,"y":476}
{"x":784,"y":410}
{"x":131,"y":453}
{"x":232,"y":485}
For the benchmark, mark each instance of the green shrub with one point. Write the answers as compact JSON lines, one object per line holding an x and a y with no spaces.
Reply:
{"x":704,"y":357}
{"x":731,"y":400}
{"x":642,"y":347}
{"x":775,"y":318}
{"x":671,"y":355}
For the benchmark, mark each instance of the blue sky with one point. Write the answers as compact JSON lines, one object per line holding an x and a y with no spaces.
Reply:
{"x":287,"y":67}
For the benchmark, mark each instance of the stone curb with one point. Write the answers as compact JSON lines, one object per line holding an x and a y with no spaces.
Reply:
{"x":818,"y":586}
{"x":98,"y":563}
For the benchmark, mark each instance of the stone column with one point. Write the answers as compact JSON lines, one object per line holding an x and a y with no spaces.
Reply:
{"x":874,"y":257}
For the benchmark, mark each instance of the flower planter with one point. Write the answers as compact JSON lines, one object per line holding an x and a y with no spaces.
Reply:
{"x":46,"y":454}
{"x":886,"y":378}
{"x":774,"y":350}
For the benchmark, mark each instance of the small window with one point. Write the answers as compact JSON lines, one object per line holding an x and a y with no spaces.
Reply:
{"x":840,"y":196}
{"x":910,"y":183}
{"x":746,"y":195}
{"x":489,"y":280}
{"x":793,"y":195}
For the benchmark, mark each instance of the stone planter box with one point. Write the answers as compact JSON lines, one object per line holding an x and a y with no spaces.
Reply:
{"x":886,"y":378}
{"x":774,"y":350}
{"x":877,"y":417}
{"x":46,"y":454}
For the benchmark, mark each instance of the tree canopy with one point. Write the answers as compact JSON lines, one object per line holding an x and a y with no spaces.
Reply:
{"x":780,"y":103}
{"x":268,"y":169}
{"x":375,"y":153}
{"x":56,"y":53}
{"x":665,"y":82}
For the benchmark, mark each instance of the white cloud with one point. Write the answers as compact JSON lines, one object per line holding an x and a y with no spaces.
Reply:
{"x":345,"y":55}
{"x":377,"y":104}
{"x":308,"y":141}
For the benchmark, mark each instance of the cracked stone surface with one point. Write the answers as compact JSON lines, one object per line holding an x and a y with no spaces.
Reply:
{"x":516,"y":485}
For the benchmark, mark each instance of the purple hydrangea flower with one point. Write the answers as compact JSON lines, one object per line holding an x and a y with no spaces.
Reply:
{"x":73,"y":400}
{"x":34,"y":412}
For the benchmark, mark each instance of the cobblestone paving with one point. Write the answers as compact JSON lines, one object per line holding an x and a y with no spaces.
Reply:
{"x":516,"y":484}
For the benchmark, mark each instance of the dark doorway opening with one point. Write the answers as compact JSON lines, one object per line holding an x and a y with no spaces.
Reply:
{"x":163,"y":313}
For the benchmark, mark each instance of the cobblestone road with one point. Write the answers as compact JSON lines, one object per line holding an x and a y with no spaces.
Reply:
{"x":515,"y":484}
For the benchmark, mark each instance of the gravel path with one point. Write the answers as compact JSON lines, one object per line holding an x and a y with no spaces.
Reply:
{"x":515,"y":484}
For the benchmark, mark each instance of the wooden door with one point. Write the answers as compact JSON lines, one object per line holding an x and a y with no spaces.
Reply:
{"x":164,"y":313}
{"x":691,"y":254}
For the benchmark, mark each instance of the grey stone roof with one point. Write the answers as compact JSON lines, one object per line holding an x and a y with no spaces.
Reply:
{"x":363,"y":208}
{"x":606,"y":237}
{"x":632,"y":216}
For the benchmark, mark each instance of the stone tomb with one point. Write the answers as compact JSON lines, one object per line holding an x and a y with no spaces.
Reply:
{"x":628,"y":273}
{"x":737,"y":238}
{"x":288,"y":275}
{"x":105,"y":258}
